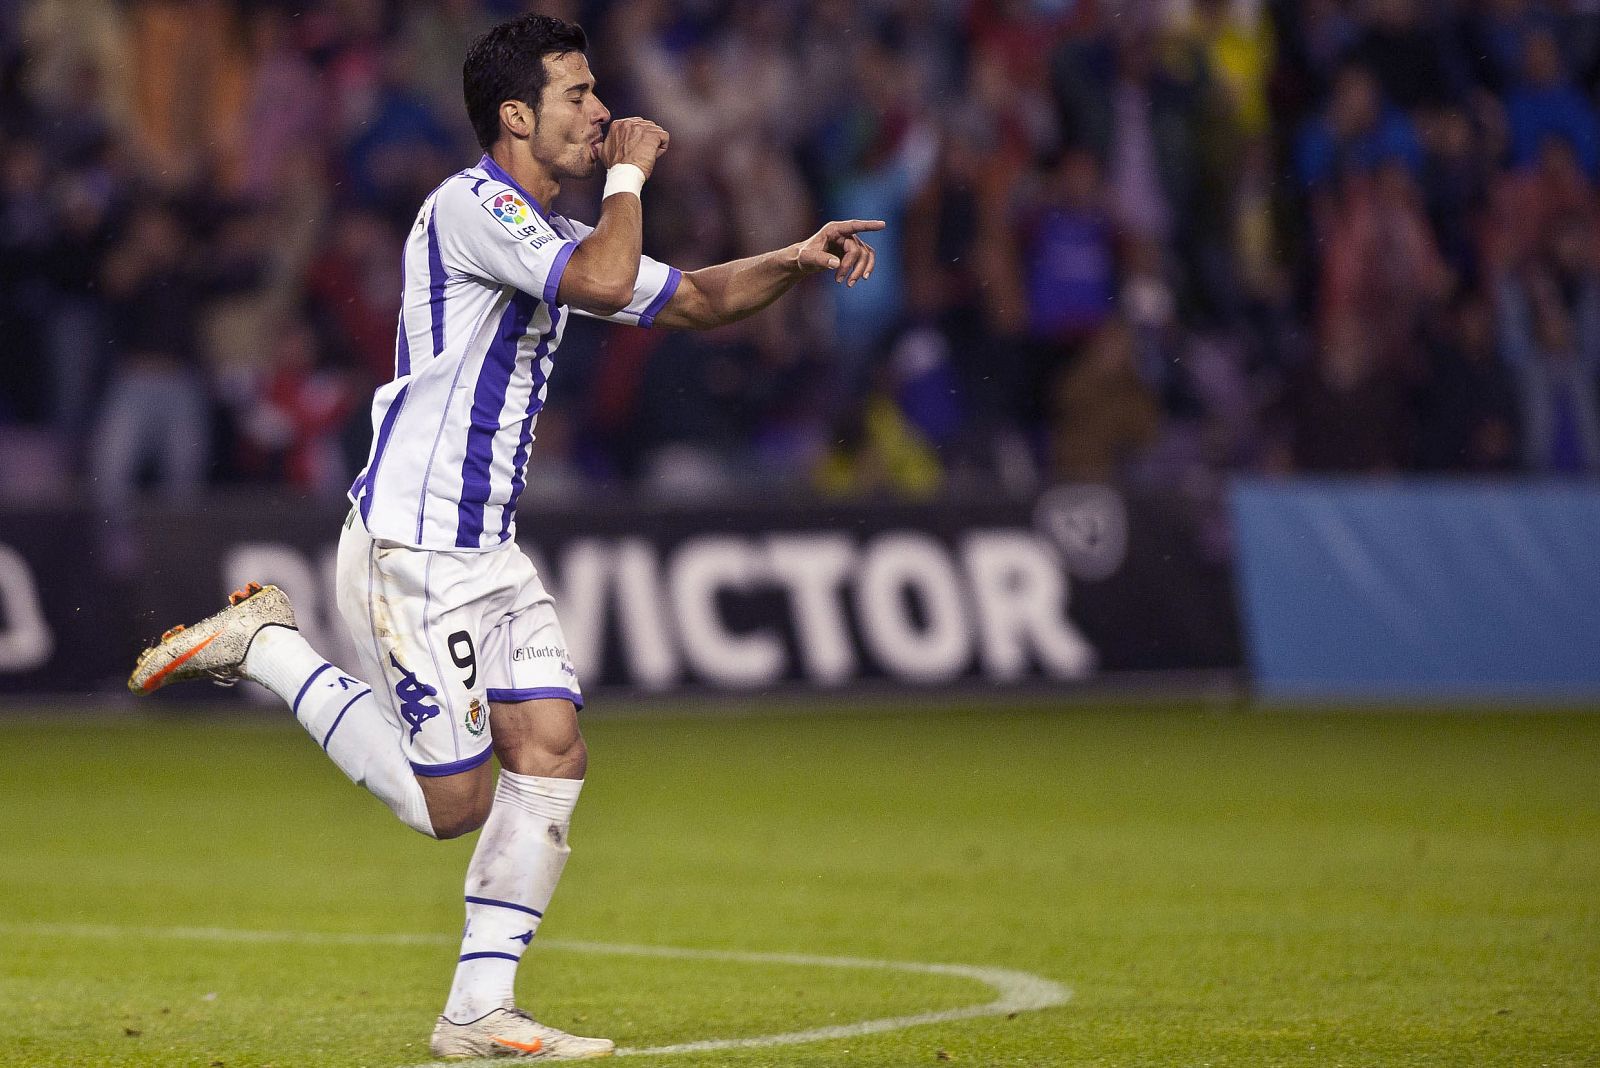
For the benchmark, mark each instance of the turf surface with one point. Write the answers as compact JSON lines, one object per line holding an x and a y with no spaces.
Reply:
{"x":1216,"y":888}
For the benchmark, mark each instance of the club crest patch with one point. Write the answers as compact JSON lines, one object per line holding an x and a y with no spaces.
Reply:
{"x":476,"y":718}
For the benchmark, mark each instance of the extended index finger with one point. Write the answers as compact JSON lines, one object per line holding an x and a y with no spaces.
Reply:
{"x":846,"y":227}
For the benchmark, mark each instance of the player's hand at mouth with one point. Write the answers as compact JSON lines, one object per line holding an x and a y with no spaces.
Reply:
{"x":636,"y":141}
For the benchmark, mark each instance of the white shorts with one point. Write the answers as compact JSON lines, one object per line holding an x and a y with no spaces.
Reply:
{"x":441,"y":635}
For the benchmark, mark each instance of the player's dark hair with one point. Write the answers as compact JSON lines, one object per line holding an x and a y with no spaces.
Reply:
{"x":507,"y":63}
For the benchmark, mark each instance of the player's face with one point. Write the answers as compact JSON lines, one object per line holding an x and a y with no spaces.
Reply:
{"x":571,"y":118}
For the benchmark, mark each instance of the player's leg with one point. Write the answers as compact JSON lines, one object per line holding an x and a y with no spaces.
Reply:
{"x":255,"y":638}
{"x":345,"y":717}
{"x":522,"y":851}
{"x":524,"y":848}
{"x":370,"y":732}
{"x":510,"y":880}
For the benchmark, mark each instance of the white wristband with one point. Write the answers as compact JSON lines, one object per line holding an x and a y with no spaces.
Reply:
{"x":624,"y":178}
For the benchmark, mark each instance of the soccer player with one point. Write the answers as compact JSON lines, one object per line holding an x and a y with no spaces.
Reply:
{"x":460,"y":652}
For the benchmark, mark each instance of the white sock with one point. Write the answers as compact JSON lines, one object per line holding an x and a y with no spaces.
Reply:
{"x":341,"y":714}
{"x":512,"y":875}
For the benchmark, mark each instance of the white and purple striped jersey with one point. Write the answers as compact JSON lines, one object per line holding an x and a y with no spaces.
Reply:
{"x":479,"y":327}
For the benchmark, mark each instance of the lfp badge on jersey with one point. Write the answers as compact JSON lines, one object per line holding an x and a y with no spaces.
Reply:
{"x":513,"y":212}
{"x":476,"y":719}
{"x":509,"y":209}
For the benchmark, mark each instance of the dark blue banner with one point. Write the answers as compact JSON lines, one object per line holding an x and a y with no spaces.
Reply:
{"x":1077,"y":582}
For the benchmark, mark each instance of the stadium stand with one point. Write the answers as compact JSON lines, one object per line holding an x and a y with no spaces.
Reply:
{"x":1155,"y":242}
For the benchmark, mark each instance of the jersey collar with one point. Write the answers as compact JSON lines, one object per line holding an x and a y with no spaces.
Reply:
{"x":499,"y":174}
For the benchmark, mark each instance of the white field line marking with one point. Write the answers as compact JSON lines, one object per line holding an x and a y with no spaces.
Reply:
{"x":1015,"y":991}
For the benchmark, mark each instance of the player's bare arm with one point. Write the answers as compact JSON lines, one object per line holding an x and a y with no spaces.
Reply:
{"x":601,"y":274}
{"x":727,"y":292}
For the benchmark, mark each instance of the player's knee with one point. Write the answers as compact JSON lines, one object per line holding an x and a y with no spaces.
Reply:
{"x":573,"y":761}
{"x":457,"y":820}
{"x":564,"y":757}
{"x":444,"y":830}
{"x":540,"y":737}
{"x":458,"y":804}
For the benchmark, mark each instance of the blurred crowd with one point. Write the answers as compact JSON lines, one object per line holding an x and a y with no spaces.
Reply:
{"x":1155,"y":241}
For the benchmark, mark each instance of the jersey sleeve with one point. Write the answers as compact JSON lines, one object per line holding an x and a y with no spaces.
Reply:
{"x":491,"y":231}
{"x":651,"y":290}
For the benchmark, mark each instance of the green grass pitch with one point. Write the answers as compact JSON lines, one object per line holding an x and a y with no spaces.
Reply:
{"x":1216,"y":887}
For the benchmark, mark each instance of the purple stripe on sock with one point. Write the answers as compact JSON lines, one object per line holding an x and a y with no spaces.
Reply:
{"x":295,"y":708}
{"x":340,"y":718}
{"x":505,"y":905}
{"x":480,"y":956}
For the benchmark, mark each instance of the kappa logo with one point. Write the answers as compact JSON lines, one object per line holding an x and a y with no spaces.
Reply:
{"x":523,"y":223}
{"x":413,"y":694}
{"x":476,"y":719}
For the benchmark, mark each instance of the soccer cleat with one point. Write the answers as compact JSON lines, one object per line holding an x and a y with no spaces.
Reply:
{"x":513,"y":1033}
{"x":215,"y":646}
